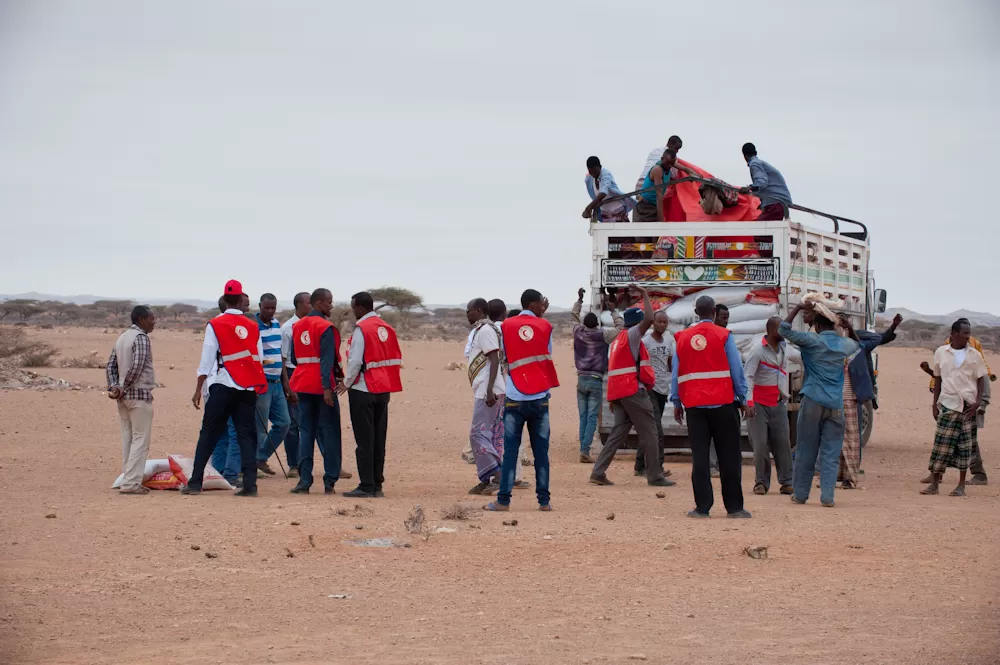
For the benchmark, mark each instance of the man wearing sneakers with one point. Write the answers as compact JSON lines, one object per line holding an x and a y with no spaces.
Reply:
{"x":315,"y":352}
{"x":232,"y":344}
{"x":630,"y":377}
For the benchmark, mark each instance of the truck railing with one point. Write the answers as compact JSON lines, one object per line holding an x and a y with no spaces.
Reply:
{"x":836,"y":219}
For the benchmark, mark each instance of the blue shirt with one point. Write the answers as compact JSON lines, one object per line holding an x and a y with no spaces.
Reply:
{"x":606,"y":185}
{"x":823,"y":356}
{"x":515,"y":395}
{"x":768,"y":183}
{"x":270,"y":339}
{"x":648,"y":184}
{"x":735,"y":371}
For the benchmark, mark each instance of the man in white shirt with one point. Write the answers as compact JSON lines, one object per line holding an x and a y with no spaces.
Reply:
{"x":959,"y":381}
{"x":674,"y":143}
{"x":227,"y":398}
{"x":488,"y":396}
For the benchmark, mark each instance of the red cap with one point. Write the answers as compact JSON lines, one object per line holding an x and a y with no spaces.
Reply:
{"x":233,"y":288}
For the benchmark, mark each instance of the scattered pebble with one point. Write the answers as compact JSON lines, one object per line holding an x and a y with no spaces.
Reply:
{"x":290,"y":554}
{"x":295,"y":523}
{"x":546,"y":537}
{"x":856,"y":547}
{"x":611,"y":516}
{"x":211,"y":555}
{"x":637,"y":656}
{"x":445,"y":529}
{"x":50,"y":516}
{"x":510,"y":522}
{"x":661,"y":495}
{"x":690,"y":616}
{"x":196,"y":547}
{"x":312,"y":543}
{"x":756,"y":551}
{"x":359,"y":527}
{"x":670,"y":546}
{"x":340,"y":596}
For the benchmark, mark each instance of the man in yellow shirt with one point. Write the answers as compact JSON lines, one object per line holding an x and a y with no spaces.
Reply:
{"x":976,"y":467}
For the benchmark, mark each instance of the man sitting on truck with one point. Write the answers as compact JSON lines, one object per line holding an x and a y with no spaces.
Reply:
{"x":650,"y":206}
{"x":768,"y":185}
{"x":674,"y":143}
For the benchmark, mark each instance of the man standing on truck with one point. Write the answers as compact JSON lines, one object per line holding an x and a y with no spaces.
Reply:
{"x":601,"y":185}
{"x":630,"y":376}
{"x":766,"y":374}
{"x":768,"y":185}
{"x":654,"y":186}
{"x":590,"y":354}
{"x":820,"y":424}
{"x":708,"y":382}
{"x":674,"y":143}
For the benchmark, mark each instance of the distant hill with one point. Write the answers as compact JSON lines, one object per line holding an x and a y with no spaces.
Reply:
{"x":85,"y":299}
{"x":981,"y":319}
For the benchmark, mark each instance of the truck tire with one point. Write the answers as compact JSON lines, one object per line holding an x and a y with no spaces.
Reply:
{"x":867,"y":422}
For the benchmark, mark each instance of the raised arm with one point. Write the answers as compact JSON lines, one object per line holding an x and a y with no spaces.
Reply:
{"x":647,"y":310}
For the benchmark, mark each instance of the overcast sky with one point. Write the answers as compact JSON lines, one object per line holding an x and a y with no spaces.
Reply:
{"x":157,"y":148}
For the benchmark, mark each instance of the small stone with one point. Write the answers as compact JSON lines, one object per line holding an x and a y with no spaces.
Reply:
{"x":690,"y":616}
{"x":661,"y":495}
{"x":295,"y":523}
{"x":510,"y":522}
{"x":637,"y":656}
{"x":178,"y":538}
{"x":211,"y":555}
{"x":673,"y":546}
{"x":312,"y":543}
{"x":290,"y":554}
{"x":196,"y":547}
{"x":546,"y":537}
{"x":50,"y":516}
{"x":610,"y":516}
{"x":339,"y":596}
{"x":359,"y":527}
{"x":756,"y":551}
{"x":445,"y":529}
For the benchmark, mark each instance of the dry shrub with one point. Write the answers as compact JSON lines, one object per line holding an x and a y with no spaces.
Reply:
{"x":460,"y":511}
{"x":14,"y":344}
{"x":91,"y":361}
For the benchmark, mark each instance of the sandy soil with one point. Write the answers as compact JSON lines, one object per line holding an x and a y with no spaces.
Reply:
{"x":888,"y":576}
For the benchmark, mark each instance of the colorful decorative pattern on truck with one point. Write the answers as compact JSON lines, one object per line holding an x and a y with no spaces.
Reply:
{"x":691,"y":272}
{"x":691,"y":247}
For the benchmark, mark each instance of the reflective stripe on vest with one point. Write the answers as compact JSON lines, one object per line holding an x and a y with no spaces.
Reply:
{"x":704,"y":375}
{"x":384,"y":363}
{"x":307,"y":360}
{"x":530,"y":359}
{"x":240,"y":354}
{"x":629,"y":370}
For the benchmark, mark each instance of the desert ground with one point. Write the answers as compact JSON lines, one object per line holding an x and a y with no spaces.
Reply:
{"x":888,"y":576}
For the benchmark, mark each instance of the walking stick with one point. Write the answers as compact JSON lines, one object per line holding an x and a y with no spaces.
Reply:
{"x":267,"y":433}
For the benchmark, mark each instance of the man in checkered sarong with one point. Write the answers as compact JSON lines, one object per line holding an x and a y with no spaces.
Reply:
{"x":959,"y":381}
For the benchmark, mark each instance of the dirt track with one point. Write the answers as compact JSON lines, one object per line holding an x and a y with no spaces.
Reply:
{"x":888,"y":576}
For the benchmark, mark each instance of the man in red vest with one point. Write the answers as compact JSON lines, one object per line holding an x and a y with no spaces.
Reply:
{"x":527,"y":345}
{"x":316,"y":354}
{"x":232,"y":345}
{"x":708,"y":382}
{"x":374,"y":361}
{"x":630,"y":377}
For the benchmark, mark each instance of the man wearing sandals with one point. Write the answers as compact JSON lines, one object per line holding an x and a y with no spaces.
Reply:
{"x":959,"y":381}
{"x":487,"y":384}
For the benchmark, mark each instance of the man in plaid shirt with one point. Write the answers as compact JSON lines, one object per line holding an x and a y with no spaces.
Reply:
{"x":134,"y":395}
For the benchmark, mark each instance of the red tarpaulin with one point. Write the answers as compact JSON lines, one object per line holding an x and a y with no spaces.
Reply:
{"x":682,"y":202}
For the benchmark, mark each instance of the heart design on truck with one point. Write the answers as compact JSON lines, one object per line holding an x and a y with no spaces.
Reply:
{"x":694,"y":273}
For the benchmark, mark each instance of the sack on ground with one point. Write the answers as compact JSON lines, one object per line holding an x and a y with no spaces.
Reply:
{"x":164,"y":480}
{"x":182,"y":467}
{"x":153,"y":466}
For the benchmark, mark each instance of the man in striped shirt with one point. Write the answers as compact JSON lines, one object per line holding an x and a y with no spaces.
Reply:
{"x":272,"y":405}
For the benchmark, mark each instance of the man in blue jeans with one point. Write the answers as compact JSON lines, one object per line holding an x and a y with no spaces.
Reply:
{"x":527,"y":343}
{"x":590,"y":353}
{"x":272,"y":405}
{"x":820,"y":424}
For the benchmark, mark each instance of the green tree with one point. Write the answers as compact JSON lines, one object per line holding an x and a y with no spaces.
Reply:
{"x":400,"y":299}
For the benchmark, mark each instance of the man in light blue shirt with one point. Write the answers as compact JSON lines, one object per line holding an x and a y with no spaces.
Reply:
{"x":601,"y":185}
{"x":768,"y":185}
{"x":820,"y":424}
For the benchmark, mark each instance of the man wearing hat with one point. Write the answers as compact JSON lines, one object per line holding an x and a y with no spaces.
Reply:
{"x":820,"y":424}
{"x":232,"y":345}
{"x":630,"y":376}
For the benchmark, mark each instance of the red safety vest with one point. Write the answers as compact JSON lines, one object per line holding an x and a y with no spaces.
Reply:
{"x":238,"y":336}
{"x":526,"y":347}
{"x":768,"y":395}
{"x":703,"y":376}
{"x":383,"y":358}
{"x":306,"y":333}
{"x":624,"y":375}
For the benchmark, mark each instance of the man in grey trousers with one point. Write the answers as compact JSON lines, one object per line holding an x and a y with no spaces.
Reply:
{"x":636,"y":410}
{"x":766,"y":372}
